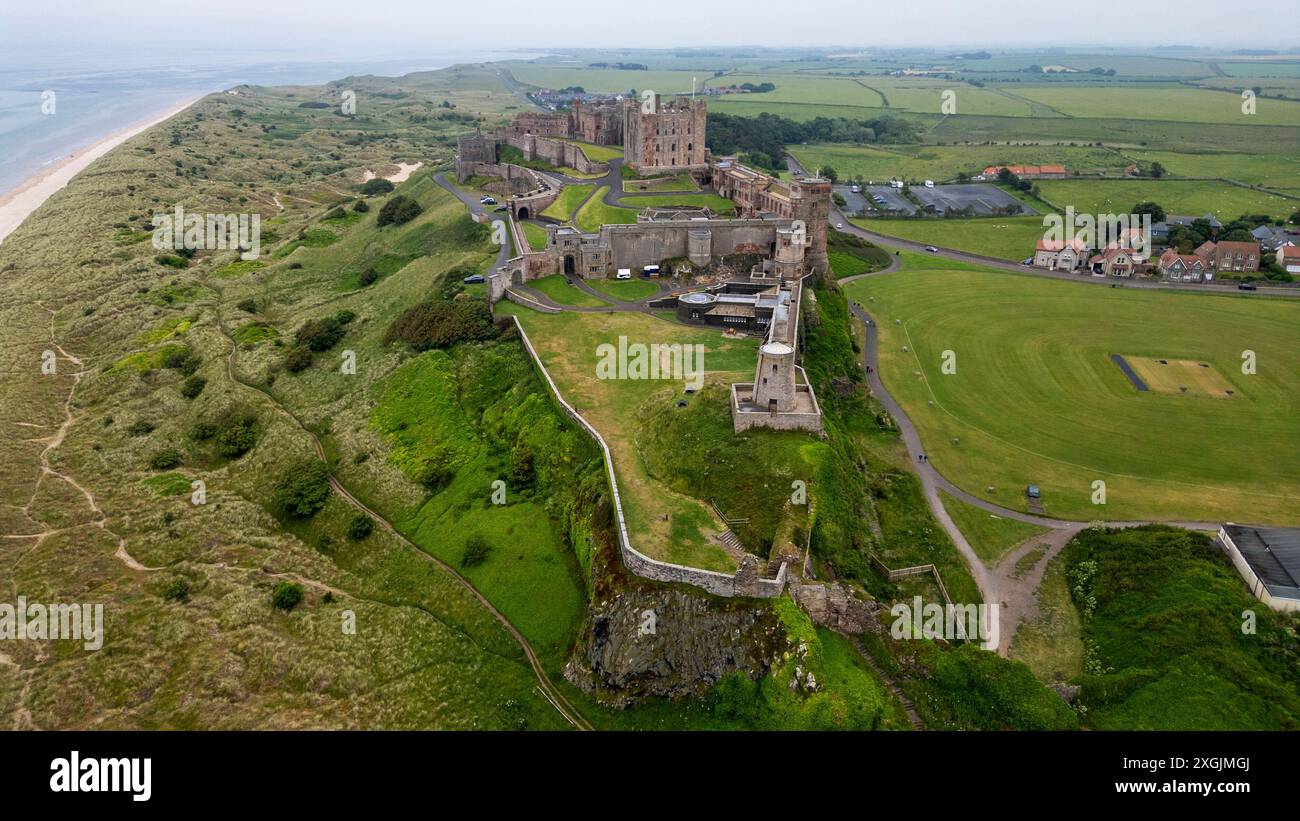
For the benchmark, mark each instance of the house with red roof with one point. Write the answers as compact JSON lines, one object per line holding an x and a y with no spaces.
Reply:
{"x":1185,"y":267}
{"x":1056,"y":255}
{"x":1288,"y":256}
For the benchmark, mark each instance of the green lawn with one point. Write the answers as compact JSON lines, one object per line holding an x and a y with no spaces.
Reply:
{"x":945,"y":162}
{"x":677,"y":182}
{"x":1009,"y":238}
{"x":598,"y":153}
{"x":1159,"y":102}
{"x":1036,"y":399}
{"x":535,"y":235}
{"x":628,"y":290}
{"x":597,"y":213}
{"x":990,"y":535}
{"x":715,"y":203}
{"x":568,"y":201}
{"x":562,"y":292}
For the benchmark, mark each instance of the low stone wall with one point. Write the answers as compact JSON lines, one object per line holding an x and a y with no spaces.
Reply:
{"x":744,"y":582}
{"x":557,"y":153}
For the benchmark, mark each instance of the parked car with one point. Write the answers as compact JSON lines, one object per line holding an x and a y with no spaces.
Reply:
{"x":500,"y":209}
{"x":1246,"y":286}
{"x":1027,"y":261}
{"x":839,"y":225}
{"x":473,"y":279}
{"x":932,"y":249}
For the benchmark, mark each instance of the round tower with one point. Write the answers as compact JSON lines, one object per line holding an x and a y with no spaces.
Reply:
{"x":774,"y":377}
{"x":699,"y":246}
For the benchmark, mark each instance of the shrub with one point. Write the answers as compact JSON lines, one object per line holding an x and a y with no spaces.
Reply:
{"x":193,"y":386}
{"x":248,"y":306}
{"x":398,"y":211}
{"x":286,"y":595}
{"x":303,"y":489}
{"x":140,"y":427}
{"x":177,"y":591}
{"x":476,"y":551}
{"x":237,"y":435}
{"x":360,"y":527}
{"x":320,"y":334}
{"x":183,"y":360}
{"x":440,"y":323}
{"x":367,"y":277}
{"x":361,"y":207}
{"x":298,"y":358}
{"x":165,"y":459}
{"x":171,"y":261}
{"x":376,"y":186}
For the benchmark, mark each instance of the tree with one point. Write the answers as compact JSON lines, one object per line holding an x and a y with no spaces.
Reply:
{"x":476,"y":551}
{"x":303,"y":490}
{"x":398,"y":210}
{"x":361,"y":207}
{"x":1157,"y":170}
{"x":286,"y":595}
{"x":1153,"y":208}
{"x":830,"y":173}
{"x":360,"y":527}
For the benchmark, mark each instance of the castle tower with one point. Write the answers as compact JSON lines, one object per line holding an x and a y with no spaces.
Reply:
{"x":811,"y":199}
{"x":790,"y":248}
{"x":774,"y":377}
{"x":668,"y":138}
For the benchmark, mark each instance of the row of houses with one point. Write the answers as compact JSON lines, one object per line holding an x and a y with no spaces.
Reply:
{"x":1120,"y":260}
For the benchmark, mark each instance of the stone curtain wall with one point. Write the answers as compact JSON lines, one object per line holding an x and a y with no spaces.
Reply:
{"x":743,"y":583}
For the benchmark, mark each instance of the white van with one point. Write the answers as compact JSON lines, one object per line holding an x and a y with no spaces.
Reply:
{"x":651,"y":270}
{"x":929,"y":183}
{"x":624,"y":273}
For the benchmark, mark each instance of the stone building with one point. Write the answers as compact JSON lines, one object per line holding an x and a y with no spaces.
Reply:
{"x":598,"y":122}
{"x":780,"y":396}
{"x":669,"y":137}
{"x":807,"y":199}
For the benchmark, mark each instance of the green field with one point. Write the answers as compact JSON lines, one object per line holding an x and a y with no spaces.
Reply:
{"x":562,"y":292}
{"x":1009,"y":238}
{"x":1173,"y":102}
{"x":1190,"y":197}
{"x":1036,"y":399}
{"x":596,"y":212}
{"x":719,"y":205}
{"x":535,"y":235}
{"x":945,"y":162}
{"x":567,"y":202}
{"x":598,"y":153}
{"x":628,"y":290}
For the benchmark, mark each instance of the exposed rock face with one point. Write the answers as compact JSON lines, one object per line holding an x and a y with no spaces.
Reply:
{"x":664,"y":641}
{"x":835,"y":606}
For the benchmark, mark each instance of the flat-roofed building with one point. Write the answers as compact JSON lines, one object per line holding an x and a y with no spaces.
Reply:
{"x":1268,"y":558}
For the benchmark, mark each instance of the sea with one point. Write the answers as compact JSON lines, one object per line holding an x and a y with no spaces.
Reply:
{"x":53,"y":104}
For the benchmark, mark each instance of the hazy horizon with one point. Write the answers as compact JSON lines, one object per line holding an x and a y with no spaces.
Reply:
{"x":335,"y":27}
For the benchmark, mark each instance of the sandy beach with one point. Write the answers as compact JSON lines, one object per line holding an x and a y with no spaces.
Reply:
{"x":17,"y":204}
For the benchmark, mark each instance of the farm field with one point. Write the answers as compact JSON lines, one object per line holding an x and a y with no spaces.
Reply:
{"x":1273,"y":170}
{"x":1009,"y":238}
{"x":603,"y":80}
{"x":945,"y":162}
{"x":1172,"y":102}
{"x":1191,"y":197}
{"x":664,"y":524}
{"x":1036,"y":399}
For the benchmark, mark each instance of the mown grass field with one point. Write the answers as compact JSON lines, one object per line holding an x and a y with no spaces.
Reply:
{"x":596,"y":212}
{"x":626,"y":289}
{"x":1009,"y":238}
{"x":562,"y":292}
{"x":1035,"y":398}
{"x":567,"y":203}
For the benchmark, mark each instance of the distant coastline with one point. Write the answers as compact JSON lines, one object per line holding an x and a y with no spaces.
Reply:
{"x":17,"y":204}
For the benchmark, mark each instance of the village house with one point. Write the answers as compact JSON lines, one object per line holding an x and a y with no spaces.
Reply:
{"x":1113,"y":262}
{"x":1230,"y":256}
{"x":1288,"y":256}
{"x":1185,"y":267}
{"x":1273,"y":237}
{"x":1056,"y":255}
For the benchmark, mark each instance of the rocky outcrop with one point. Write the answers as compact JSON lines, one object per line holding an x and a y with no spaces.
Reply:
{"x":667,"y":641}
{"x":835,"y":606}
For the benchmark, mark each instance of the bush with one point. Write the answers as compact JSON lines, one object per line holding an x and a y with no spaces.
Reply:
{"x":140,"y":427}
{"x":177,"y":591}
{"x":236,"y":435}
{"x":367,"y":277}
{"x":286,"y":595}
{"x":476,"y":551}
{"x":298,"y":358}
{"x":183,"y":360}
{"x":361,"y":207}
{"x":398,"y":211}
{"x":303,"y":490}
{"x":321,"y":334}
{"x":360,"y":527}
{"x":248,"y":306}
{"x":376,"y":186}
{"x":171,"y":261}
{"x":440,"y":323}
{"x":165,"y":459}
{"x":193,"y":386}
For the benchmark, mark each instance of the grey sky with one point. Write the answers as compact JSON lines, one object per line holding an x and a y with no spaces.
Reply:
{"x":373,"y":27}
